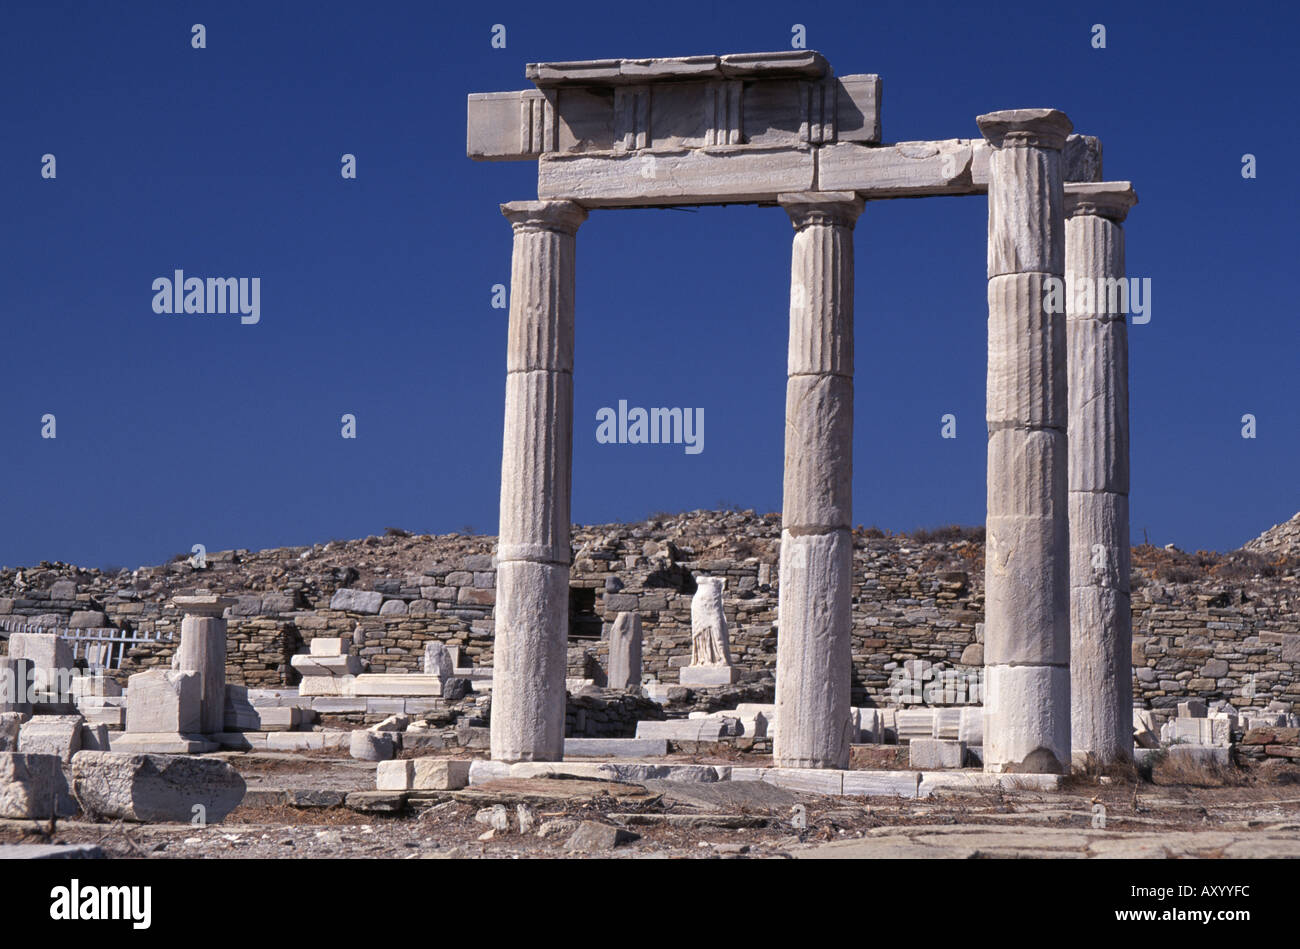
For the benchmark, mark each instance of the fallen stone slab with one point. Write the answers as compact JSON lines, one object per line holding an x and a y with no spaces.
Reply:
{"x":51,"y":852}
{"x":58,"y":735}
{"x":423,"y":774}
{"x":954,"y":842}
{"x":31,"y":786}
{"x":558,"y":769}
{"x":263,"y":797}
{"x":615,"y":747}
{"x":314,"y":797}
{"x":376,"y":802}
{"x":725,"y":795}
{"x":162,"y":743}
{"x":812,"y":780}
{"x":482,"y":770}
{"x":422,"y":741}
{"x":722,"y":821}
{"x":266,"y":719}
{"x":380,"y":684}
{"x":932,"y":782}
{"x":648,"y":771}
{"x":595,"y":836}
{"x":392,"y":705}
{"x":904,"y":784}
{"x":145,"y":787}
{"x":689,"y":729}
{"x":394,"y":776}
{"x":937,"y":753}
{"x":512,"y":791}
{"x":240,"y":741}
{"x":706,"y":677}
{"x":330,"y":667}
{"x":325,"y":686}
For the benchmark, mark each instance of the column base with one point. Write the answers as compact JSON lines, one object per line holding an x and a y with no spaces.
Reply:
{"x":1027,"y":719}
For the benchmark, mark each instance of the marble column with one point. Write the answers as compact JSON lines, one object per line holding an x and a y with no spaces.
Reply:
{"x":814,"y":656}
{"x":532,"y":600}
{"x":1026,"y":587}
{"x":203,"y":650}
{"x":1101,"y":638}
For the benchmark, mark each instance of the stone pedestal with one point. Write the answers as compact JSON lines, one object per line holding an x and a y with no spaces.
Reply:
{"x":203,"y":650}
{"x":1027,"y":605}
{"x":1101,"y":640}
{"x":814,"y":659}
{"x":532,"y":601}
{"x":164,"y":714}
{"x":49,"y":670}
{"x":706,"y":677}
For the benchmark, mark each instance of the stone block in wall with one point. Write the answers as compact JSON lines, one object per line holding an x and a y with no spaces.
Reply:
{"x":621,"y":603}
{"x":357,"y":601}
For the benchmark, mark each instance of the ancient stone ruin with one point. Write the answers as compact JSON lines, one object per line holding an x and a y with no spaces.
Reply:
{"x":586,"y":689}
{"x":781,"y":129}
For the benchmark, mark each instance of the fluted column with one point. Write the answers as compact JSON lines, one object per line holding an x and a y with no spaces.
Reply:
{"x":814,"y":655}
{"x":1026,"y":595}
{"x":1101,"y":638}
{"x":532,"y":593}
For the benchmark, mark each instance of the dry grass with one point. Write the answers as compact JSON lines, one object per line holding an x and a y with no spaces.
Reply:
{"x":1188,"y":771}
{"x":1091,"y":773}
{"x":951,"y":533}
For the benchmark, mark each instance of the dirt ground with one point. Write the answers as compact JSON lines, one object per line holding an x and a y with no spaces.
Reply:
{"x":1233,"y":813}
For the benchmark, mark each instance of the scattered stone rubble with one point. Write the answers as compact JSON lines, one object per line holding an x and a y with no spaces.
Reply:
{"x":915,"y":598}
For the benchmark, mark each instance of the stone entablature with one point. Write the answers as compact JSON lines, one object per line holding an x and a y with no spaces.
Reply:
{"x":739,"y":128}
{"x":754,"y":100}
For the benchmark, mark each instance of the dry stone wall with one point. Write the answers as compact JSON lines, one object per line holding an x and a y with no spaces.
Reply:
{"x":1197,"y":632}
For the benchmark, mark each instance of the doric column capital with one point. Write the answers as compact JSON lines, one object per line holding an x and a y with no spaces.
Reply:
{"x":821,"y":207}
{"x":1108,"y":199}
{"x":203,"y":604}
{"x":563,"y":217}
{"x":1026,"y":128}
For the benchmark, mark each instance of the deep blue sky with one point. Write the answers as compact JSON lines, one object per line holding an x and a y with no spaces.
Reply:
{"x":375,"y":292}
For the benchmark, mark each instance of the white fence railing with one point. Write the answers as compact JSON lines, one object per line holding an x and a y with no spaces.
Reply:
{"x":101,"y":648}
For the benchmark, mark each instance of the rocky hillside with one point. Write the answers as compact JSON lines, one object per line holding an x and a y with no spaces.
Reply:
{"x":1216,"y":626}
{"x":1283,"y":539}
